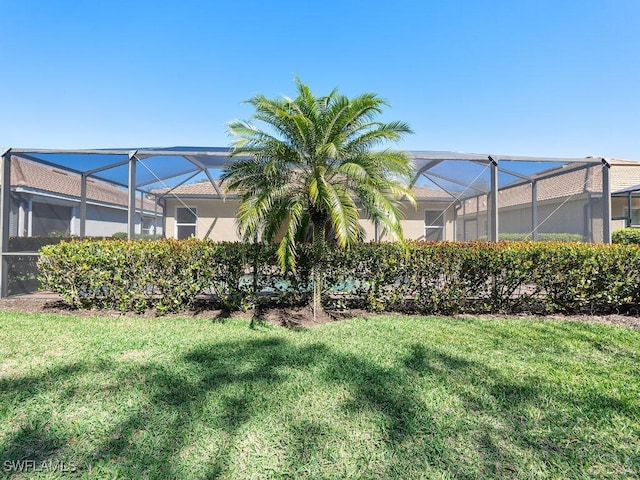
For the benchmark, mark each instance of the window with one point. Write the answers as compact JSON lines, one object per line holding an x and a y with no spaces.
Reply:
{"x":433,"y":225}
{"x":148,"y":226}
{"x":635,"y":215}
{"x":50,"y":219}
{"x":186,"y":218}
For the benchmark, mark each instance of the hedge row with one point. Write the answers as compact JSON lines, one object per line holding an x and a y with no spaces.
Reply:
{"x":166,"y":274}
{"x":423,"y":277}
{"x":627,"y":236}
{"x":542,"y":237}
{"x":485,"y":277}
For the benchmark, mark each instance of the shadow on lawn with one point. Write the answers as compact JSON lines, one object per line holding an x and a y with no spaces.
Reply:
{"x":224,"y":386}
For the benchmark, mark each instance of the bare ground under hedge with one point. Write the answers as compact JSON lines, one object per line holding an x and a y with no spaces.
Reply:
{"x":289,"y":317}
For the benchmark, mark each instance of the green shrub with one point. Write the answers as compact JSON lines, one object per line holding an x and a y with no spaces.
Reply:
{"x":32,"y":244}
{"x":542,"y":237}
{"x":167,"y":274}
{"x":442,"y":277}
{"x":138,"y":236}
{"x":626,"y":236}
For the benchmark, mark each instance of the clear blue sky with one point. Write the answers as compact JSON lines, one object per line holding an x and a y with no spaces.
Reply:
{"x":557,"y":78}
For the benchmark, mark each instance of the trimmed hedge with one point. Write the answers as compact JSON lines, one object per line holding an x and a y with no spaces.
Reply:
{"x":626,"y":236}
{"x":165,"y":274}
{"x":542,"y":237}
{"x":32,"y":244}
{"x":446,"y":278}
{"x":23,"y":269}
{"x":486,"y":277}
{"x":138,"y":236}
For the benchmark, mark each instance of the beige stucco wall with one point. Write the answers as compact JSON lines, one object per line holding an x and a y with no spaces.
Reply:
{"x":570,"y":217}
{"x":216,"y":220}
{"x":413,"y":222}
{"x":618,"y":207}
{"x":552,"y":217}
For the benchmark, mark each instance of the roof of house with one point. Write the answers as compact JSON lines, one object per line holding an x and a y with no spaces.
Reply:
{"x":43,"y":178}
{"x":204,"y":189}
{"x":627,"y":190}
{"x":563,"y":181}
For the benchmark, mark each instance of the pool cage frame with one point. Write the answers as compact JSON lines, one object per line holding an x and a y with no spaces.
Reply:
{"x":201,"y":160}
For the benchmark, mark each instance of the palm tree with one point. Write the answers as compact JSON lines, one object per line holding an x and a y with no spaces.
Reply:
{"x":313,"y":168}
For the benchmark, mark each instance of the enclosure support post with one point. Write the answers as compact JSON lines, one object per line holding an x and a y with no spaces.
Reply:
{"x":5,"y":209}
{"x":141,"y":212}
{"x":477,"y":218}
{"x":534,"y":210}
{"x":22,"y":216}
{"x":83,"y":205}
{"x":464,"y":220}
{"x":629,"y":205}
{"x":493,"y":234}
{"x":606,"y":202}
{"x":455,"y":226}
{"x":131,"y":218}
{"x":155,"y":217}
{"x":164,"y":217}
{"x":30,"y":218}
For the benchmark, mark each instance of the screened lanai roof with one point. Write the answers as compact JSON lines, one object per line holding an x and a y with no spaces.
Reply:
{"x":172,"y":166}
{"x":158,"y":165}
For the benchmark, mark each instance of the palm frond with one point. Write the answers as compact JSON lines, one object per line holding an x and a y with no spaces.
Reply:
{"x":308,"y":161}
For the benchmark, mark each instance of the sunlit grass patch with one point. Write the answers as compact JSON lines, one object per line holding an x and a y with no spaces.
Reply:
{"x":396,"y":397}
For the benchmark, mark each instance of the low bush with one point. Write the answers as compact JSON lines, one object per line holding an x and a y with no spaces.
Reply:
{"x":167,"y":274}
{"x":32,"y":244}
{"x":542,"y":237}
{"x":138,"y":236}
{"x":626,"y":236}
{"x":421,"y":277}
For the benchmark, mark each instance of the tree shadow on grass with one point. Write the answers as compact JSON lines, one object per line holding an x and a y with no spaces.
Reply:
{"x":505,"y":407}
{"x":219,"y":391}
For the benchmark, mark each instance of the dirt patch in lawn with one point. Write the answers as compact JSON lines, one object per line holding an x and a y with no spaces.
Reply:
{"x":298,"y":317}
{"x":292,"y":317}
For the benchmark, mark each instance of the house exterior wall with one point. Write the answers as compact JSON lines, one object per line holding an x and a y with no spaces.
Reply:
{"x":516,"y":219}
{"x":414,"y":222}
{"x":557,"y":213}
{"x":102,"y":220}
{"x":553,"y":217}
{"x":216,"y":219}
{"x":413,"y":226}
{"x":582,"y":215}
{"x":619,"y":206}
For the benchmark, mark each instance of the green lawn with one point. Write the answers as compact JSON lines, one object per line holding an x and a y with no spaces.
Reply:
{"x":394,"y":397}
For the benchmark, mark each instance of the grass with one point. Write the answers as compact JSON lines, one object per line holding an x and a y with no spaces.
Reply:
{"x":393,"y":397}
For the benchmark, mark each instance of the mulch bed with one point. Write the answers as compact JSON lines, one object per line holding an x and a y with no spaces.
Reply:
{"x":290,"y":317}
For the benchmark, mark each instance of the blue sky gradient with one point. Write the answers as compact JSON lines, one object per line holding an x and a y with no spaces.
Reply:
{"x":556,"y":78}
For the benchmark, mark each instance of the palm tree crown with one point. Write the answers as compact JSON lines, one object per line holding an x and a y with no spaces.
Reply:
{"x":314,"y":166}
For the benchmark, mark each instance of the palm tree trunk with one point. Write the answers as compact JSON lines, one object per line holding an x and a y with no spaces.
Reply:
{"x":318,"y":271}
